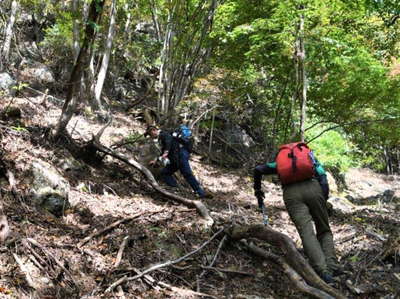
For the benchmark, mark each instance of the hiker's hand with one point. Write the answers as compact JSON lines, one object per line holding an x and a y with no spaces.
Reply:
{"x":165,"y":155}
{"x":152,"y":162}
{"x":260,"y":202}
{"x":260,"y":197}
{"x":329,"y":208}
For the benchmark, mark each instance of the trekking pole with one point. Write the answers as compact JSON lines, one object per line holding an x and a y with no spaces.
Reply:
{"x":265,"y":215}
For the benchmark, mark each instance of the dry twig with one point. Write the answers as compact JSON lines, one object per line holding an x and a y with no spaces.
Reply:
{"x":214,"y":258}
{"x":115,"y":224}
{"x":49,"y":254}
{"x":121,"y":251}
{"x":25,"y":271}
{"x":227,"y":271}
{"x":162,"y":265}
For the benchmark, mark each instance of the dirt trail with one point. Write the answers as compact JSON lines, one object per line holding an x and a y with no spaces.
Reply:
{"x":103,"y":194}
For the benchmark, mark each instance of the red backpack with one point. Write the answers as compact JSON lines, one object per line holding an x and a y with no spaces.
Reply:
{"x":294,"y":163}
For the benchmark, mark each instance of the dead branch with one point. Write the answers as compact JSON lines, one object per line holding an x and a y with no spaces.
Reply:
{"x":115,"y":224}
{"x":291,"y":256}
{"x":151,"y":281}
{"x":49,"y":254}
{"x":227,"y":271}
{"x":162,"y":265}
{"x":198,"y":205}
{"x":210,"y":266}
{"x":120,"y":293}
{"x":101,"y":131}
{"x":193,"y":123}
{"x":25,"y":271}
{"x":40,"y":260}
{"x":121,"y":251}
{"x":240,"y":155}
{"x":185,"y":291}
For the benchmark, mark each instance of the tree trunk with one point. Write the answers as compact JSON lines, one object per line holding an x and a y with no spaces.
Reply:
{"x":90,"y":81}
{"x":163,"y":80}
{"x":154,"y":17}
{"x":106,"y":57}
{"x":80,"y":65}
{"x":127,"y":26}
{"x":183,"y":52}
{"x":301,"y":55}
{"x":8,"y":34}
{"x":289,"y":251}
{"x":75,"y":28}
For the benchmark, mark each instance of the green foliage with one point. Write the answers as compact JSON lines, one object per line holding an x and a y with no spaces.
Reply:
{"x":348,"y":46}
{"x":20,"y":86}
{"x":134,"y":137}
{"x":59,"y":36}
{"x":333,"y":150}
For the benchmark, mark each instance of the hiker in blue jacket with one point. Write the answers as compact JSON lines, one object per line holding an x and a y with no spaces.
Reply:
{"x":176,"y":154}
{"x":305,"y":201}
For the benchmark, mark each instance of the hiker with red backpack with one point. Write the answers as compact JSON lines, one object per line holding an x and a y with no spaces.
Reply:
{"x":175,"y":152}
{"x":305,"y":191}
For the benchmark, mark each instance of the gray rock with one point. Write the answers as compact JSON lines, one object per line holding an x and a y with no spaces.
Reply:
{"x":388,"y":195}
{"x":42,"y":74}
{"x":53,"y":201}
{"x":49,"y":189}
{"x":333,"y":187}
{"x":7,"y":83}
{"x":342,"y":204}
{"x":236,"y":135}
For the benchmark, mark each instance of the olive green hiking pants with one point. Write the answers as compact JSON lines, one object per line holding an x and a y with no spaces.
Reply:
{"x":305,"y":204}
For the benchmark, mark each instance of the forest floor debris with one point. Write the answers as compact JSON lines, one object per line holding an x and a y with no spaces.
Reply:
{"x":110,"y":193}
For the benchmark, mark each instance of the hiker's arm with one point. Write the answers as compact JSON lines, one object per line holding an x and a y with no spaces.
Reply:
{"x":166,"y":142}
{"x":322,"y":178}
{"x":260,"y":170}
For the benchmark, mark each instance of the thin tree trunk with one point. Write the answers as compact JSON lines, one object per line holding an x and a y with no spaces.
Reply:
{"x":127,"y":26}
{"x":154,"y":17}
{"x":81,"y":63}
{"x":163,"y":105}
{"x":8,"y":33}
{"x":90,"y":78}
{"x":212,"y":132}
{"x":75,"y":28}
{"x":106,"y":57}
{"x":303,"y":77}
{"x":182,"y":54}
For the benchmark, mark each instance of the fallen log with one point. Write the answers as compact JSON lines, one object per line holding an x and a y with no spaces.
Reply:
{"x":290,"y":254}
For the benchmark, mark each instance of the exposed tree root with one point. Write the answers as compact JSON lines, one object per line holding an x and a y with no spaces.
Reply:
{"x":90,"y":152}
{"x":294,"y":264}
{"x":198,"y":205}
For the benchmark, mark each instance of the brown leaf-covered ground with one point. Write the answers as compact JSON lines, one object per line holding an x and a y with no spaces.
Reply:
{"x":110,"y":191}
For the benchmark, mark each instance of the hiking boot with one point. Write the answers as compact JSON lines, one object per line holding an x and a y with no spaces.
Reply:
{"x":327,"y":277}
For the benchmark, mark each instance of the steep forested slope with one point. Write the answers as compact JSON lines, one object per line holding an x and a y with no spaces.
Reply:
{"x":43,"y":257}
{"x":81,"y":80}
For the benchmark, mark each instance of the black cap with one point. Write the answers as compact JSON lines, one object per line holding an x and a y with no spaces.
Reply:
{"x":148,"y":129}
